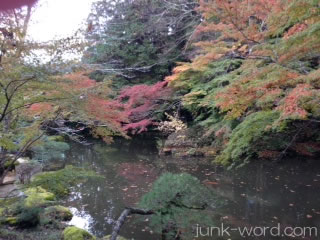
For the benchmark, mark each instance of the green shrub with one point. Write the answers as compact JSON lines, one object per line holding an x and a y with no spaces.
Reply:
{"x":179,"y":201}
{"x":25,"y":216}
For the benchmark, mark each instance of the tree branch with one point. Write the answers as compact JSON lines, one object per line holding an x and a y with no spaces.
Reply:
{"x":127,"y":212}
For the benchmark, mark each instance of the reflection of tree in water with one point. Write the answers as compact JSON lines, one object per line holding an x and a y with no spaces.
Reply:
{"x":140,"y":177}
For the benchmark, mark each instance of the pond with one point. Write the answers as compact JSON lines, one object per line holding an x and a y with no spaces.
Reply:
{"x":255,"y":195}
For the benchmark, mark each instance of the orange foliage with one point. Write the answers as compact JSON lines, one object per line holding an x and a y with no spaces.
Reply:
{"x":291,"y":107}
{"x":39,"y":108}
{"x":240,"y":20}
{"x":79,"y":80}
{"x":176,"y":72}
{"x":248,"y":90}
{"x":299,"y":27}
{"x":105,"y":110}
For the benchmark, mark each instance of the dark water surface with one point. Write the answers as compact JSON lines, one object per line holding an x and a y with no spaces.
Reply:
{"x":256,"y":195}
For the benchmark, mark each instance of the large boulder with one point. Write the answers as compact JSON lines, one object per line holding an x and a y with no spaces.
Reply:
{"x":37,"y":196}
{"x":74,"y":233}
{"x":188,"y":142}
{"x":59,"y":212}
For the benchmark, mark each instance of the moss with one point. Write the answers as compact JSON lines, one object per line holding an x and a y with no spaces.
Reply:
{"x":59,"y":212}
{"x":60,"y":182}
{"x":11,"y":221}
{"x":74,"y":233}
{"x":56,"y":138}
{"x":37,"y":196}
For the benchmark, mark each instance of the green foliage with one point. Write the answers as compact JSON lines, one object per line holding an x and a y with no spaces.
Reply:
{"x":179,"y":201}
{"x":246,"y":136}
{"x":60,"y":182}
{"x":138,"y":41}
{"x":257,"y":71}
{"x":50,"y":148}
{"x":28,"y":217}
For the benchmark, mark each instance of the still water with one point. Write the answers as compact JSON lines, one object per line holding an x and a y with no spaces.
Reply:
{"x":256,"y":195}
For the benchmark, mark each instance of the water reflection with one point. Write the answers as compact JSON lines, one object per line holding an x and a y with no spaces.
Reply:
{"x":256,"y":195}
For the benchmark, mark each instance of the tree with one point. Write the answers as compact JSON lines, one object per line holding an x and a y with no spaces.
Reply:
{"x":11,"y":4}
{"x":141,"y":103}
{"x":36,"y":95}
{"x":21,"y":83}
{"x":138,"y":41}
{"x":89,"y":104}
{"x":176,"y":203}
{"x":256,"y":58}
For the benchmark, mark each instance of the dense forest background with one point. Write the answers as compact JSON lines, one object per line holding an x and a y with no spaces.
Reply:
{"x":243,"y":75}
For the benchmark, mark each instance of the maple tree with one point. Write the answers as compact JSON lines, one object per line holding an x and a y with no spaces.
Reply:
{"x":140,"y":103}
{"x":255,"y":58}
{"x":89,"y":103}
{"x":38,"y":94}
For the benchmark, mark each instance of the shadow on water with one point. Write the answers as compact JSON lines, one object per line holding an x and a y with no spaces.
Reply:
{"x":256,"y":195}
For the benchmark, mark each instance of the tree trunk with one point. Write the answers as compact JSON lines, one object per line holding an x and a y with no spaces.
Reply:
{"x":127,"y":212}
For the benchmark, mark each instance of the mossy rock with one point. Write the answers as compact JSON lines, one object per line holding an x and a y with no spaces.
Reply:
{"x":60,"y":182}
{"x":59,"y":212}
{"x":109,"y":236}
{"x":56,"y":138}
{"x":11,"y":221}
{"x":37,"y":196}
{"x":74,"y":233}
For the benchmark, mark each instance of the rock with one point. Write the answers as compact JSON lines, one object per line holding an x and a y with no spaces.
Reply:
{"x":178,"y":144}
{"x":37,"y":196}
{"x":190,"y":142}
{"x":53,"y":166}
{"x":23,"y":160}
{"x":59,"y":212}
{"x":9,"y":178}
{"x":74,"y":233}
{"x":186,"y":143}
{"x":9,"y":190}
